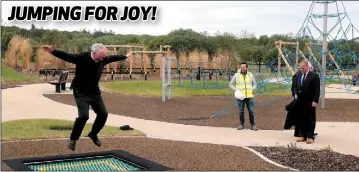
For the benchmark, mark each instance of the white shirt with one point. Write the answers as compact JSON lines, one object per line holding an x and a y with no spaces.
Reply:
{"x":306,"y":74}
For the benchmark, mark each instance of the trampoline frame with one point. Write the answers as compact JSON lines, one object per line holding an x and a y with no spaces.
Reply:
{"x":142,"y":164}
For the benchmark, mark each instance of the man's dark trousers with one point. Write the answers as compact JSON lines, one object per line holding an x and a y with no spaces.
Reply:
{"x":307,"y":122}
{"x":83,"y":101}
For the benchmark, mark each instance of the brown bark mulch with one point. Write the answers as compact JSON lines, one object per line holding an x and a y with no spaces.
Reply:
{"x":197,"y":110}
{"x":310,"y":160}
{"x":182,"y":156}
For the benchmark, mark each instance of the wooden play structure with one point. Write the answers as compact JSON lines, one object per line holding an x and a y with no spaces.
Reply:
{"x":138,"y":63}
{"x":139,"y":60}
{"x":112,"y":50}
{"x":309,"y":47}
{"x":279,"y":45}
{"x":163,"y":51}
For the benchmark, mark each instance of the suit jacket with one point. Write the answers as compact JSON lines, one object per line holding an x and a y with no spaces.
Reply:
{"x":309,"y":91}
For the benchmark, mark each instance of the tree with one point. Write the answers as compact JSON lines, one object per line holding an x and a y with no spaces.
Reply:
{"x":258,"y":54}
{"x":263,"y":40}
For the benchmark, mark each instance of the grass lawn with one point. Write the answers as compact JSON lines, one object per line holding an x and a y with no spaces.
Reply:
{"x":220,"y":88}
{"x":154,"y":88}
{"x":51,"y":128}
{"x":9,"y":74}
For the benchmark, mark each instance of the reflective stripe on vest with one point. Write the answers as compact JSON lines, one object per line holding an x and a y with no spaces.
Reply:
{"x":244,"y":84}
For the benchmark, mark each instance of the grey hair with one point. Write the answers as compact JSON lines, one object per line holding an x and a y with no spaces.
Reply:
{"x":305,"y":62}
{"x":97,"y":46}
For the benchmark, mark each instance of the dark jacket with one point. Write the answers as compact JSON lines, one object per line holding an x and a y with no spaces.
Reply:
{"x":290,"y":119}
{"x":309,"y":92}
{"x":88,"y":72}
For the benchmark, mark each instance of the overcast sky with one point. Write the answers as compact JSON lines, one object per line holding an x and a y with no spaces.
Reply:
{"x":260,"y":18}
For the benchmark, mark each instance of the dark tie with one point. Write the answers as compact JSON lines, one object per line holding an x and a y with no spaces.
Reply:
{"x":303,"y":79}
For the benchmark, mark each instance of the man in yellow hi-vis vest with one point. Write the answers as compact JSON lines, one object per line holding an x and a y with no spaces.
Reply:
{"x":244,"y":82}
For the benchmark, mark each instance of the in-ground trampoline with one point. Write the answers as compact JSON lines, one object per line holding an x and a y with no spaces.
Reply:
{"x":115,"y":160}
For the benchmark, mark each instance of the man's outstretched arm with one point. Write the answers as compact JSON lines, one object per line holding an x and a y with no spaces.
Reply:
{"x":71,"y":58}
{"x":114,"y":58}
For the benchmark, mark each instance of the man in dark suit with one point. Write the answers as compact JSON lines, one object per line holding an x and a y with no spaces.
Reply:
{"x":306,"y":89}
{"x":85,"y":86}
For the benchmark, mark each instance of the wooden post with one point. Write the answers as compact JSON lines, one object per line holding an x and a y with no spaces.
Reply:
{"x":145,"y":63}
{"x":130,"y":59}
{"x":283,"y":57}
{"x":108,"y":68}
{"x":307,"y":45}
{"x":336,"y":64}
{"x":297,"y":52}
{"x":115,"y":63}
{"x":301,"y":54}
{"x":279,"y":56}
{"x":142,"y":62}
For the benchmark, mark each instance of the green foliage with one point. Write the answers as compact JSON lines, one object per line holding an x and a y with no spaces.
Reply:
{"x":244,"y":46}
{"x":51,"y":128}
{"x":9,"y":74}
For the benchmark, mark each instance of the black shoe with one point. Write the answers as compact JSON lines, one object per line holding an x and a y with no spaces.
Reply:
{"x":72,"y":144}
{"x":95,"y":140}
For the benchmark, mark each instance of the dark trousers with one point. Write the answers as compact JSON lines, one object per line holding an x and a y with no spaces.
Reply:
{"x":83,"y":102}
{"x":250,"y":106}
{"x":307,"y":122}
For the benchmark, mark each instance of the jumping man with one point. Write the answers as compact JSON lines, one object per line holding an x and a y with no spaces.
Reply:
{"x":85,"y":86}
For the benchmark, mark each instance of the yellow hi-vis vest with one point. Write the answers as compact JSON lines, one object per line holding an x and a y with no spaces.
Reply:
{"x":244,"y":84}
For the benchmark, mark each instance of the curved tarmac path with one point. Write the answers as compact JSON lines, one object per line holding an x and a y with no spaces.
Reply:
{"x":24,"y":102}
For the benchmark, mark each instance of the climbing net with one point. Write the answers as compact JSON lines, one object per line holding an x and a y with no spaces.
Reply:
{"x":342,"y":55}
{"x":341,"y":58}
